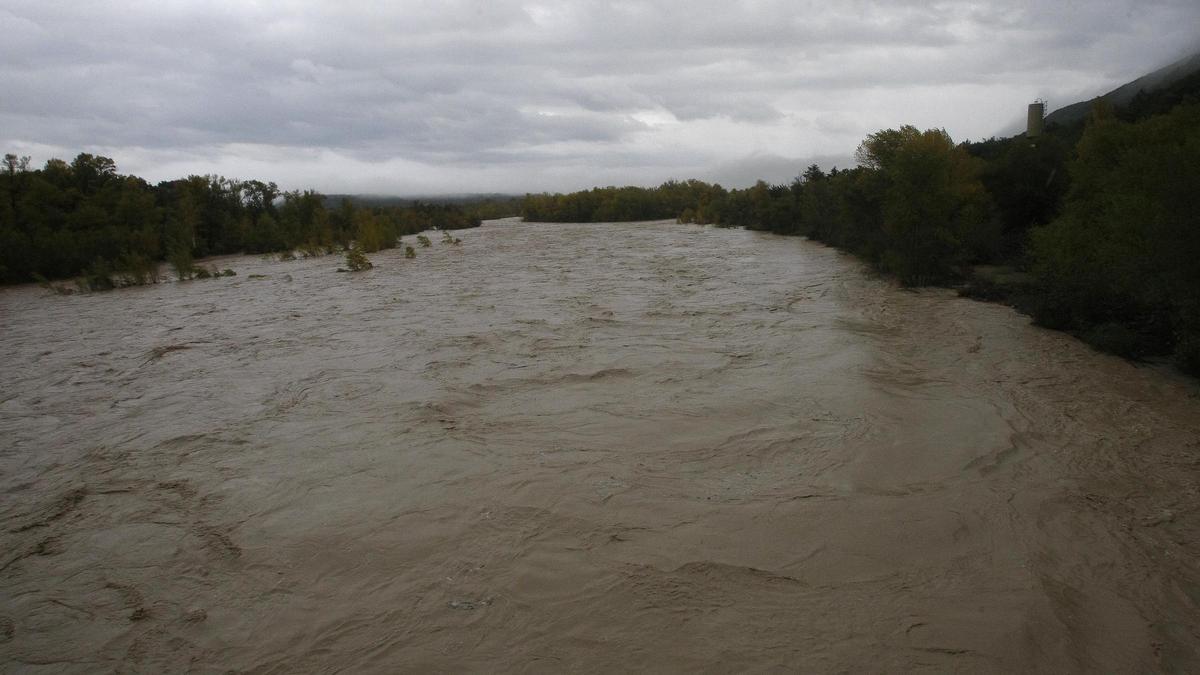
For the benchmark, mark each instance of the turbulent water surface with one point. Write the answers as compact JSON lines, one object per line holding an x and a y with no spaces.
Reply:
{"x":584,"y":447}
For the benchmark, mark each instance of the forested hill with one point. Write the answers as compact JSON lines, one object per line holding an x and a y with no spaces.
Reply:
{"x":1181,"y":77}
{"x":85,"y":218}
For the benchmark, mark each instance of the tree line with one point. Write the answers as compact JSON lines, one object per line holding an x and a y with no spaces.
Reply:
{"x":1096,"y":220}
{"x":83,"y":218}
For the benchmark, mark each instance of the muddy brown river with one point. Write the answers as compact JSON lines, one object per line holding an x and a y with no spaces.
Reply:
{"x":585,"y":448}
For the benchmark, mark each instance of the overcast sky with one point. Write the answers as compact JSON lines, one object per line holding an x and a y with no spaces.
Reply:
{"x":498,"y":95}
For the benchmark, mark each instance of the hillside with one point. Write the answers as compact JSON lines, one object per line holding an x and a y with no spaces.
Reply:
{"x":1185,"y":70}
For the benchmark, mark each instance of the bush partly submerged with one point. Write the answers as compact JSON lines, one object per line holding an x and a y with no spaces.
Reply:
{"x":357,"y":261}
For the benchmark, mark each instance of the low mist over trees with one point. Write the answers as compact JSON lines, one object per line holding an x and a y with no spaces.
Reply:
{"x":73,"y":219}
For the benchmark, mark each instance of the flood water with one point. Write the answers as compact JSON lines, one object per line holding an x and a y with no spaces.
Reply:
{"x":594,"y":448}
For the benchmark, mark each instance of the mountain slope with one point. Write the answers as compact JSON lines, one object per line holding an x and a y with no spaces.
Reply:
{"x":1123,"y":95}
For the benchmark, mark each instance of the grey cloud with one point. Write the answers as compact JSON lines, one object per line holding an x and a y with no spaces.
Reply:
{"x":525,"y":87}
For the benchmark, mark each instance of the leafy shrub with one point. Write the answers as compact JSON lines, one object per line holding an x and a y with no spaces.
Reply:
{"x":424,"y":241}
{"x":181,"y":261}
{"x":312,"y":249}
{"x":372,"y":233}
{"x":134,"y":269}
{"x":56,"y":288}
{"x":357,"y":261}
{"x":409,"y":252}
{"x":97,"y":277}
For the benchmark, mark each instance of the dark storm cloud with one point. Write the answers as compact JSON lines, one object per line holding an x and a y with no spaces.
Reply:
{"x":532,"y":95}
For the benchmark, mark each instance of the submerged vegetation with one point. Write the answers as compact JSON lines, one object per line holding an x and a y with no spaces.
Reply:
{"x":1090,"y":228}
{"x":356,"y":260}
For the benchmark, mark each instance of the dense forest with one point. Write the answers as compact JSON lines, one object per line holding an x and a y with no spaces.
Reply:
{"x":1090,"y":228}
{"x":84,"y":219}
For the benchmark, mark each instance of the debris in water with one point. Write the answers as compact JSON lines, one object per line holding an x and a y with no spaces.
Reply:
{"x":468,"y":605}
{"x":159,"y":352}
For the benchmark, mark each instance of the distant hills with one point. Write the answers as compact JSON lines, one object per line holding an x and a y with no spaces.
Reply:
{"x":1185,"y":72}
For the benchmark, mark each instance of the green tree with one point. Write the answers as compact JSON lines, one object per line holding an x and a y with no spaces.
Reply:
{"x":1119,"y":264}
{"x":936,"y":213}
{"x":91,"y":172}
